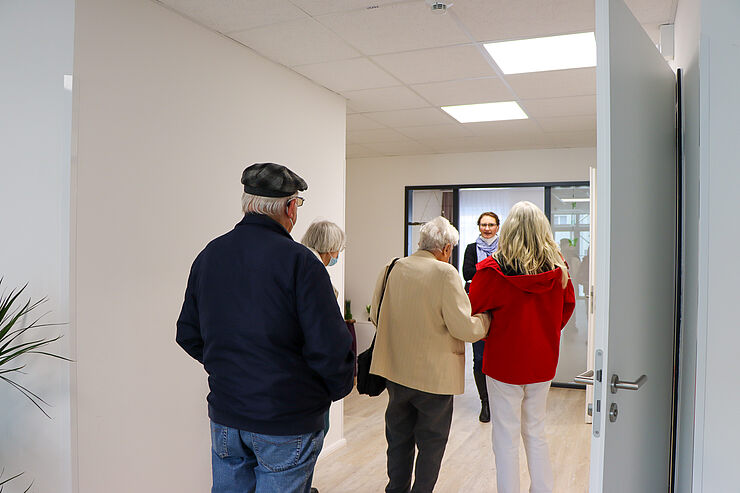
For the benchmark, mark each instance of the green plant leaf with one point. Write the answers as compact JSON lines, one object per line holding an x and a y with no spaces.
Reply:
{"x":3,"y":481}
{"x":35,"y":399}
{"x":12,"y":327}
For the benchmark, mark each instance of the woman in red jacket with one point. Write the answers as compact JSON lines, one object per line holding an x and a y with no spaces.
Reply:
{"x":526,"y":286}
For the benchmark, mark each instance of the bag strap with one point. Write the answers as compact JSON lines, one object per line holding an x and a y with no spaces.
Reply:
{"x":382,"y":293}
{"x":380,"y":301}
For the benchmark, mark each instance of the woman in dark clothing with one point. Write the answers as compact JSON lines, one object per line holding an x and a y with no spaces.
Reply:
{"x":483,"y":247}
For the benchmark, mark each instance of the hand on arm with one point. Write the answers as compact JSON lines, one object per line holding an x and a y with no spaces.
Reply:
{"x":456,"y":311}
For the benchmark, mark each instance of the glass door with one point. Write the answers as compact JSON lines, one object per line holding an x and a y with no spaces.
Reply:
{"x":499,"y":200}
{"x":570,"y":220}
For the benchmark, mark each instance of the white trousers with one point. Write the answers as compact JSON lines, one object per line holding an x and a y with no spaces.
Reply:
{"x":520,"y":410}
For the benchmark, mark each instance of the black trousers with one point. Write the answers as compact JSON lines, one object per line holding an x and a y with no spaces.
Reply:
{"x":415,"y":419}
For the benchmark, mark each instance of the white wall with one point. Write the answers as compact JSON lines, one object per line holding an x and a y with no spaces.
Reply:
{"x":687,"y":27}
{"x":717,"y":404}
{"x":375,"y":197}
{"x":169,"y":114}
{"x":36,"y":42}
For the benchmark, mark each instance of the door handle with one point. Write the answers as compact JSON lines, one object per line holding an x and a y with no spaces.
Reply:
{"x":617,"y":384}
{"x":587,"y":377}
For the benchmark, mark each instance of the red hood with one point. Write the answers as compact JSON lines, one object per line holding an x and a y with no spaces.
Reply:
{"x":534,"y":283}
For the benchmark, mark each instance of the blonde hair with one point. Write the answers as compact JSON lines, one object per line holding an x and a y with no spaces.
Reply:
{"x":526,"y":244}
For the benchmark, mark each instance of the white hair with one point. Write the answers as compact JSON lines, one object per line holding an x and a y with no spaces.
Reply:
{"x":324,"y":237}
{"x":437,"y":233}
{"x":269,"y":206}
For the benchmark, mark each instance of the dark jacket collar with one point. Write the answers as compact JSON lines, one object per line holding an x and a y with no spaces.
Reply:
{"x":264,"y":221}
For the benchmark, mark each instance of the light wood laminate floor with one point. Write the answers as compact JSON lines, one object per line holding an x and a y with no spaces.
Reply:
{"x":468,"y":464}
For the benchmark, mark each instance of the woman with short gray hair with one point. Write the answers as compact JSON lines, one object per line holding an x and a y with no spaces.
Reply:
{"x":419,"y":349}
{"x":326,"y":239}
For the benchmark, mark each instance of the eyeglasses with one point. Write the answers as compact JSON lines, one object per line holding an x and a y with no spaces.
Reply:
{"x":488,"y":225}
{"x":298,"y":201}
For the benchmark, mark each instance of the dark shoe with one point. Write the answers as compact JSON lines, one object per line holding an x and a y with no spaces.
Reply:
{"x":485,"y":412}
{"x":314,"y":490}
{"x":480,"y":382}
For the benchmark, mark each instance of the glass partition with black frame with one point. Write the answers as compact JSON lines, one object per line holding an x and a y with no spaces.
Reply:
{"x":422,"y":205}
{"x":462,"y":204}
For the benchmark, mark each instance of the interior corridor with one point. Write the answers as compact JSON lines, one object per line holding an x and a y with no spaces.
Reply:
{"x":468,"y":465}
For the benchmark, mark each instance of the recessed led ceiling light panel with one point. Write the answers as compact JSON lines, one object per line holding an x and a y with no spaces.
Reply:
{"x":576,"y":200}
{"x":542,"y":54}
{"x":486,"y":112}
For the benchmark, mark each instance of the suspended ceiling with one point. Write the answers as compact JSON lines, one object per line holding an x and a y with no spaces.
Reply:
{"x":396,"y":62}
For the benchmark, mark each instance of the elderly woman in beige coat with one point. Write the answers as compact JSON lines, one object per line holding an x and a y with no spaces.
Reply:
{"x":424,"y":319}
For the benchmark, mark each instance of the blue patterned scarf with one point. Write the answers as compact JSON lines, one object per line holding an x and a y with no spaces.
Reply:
{"x":484,"y":249}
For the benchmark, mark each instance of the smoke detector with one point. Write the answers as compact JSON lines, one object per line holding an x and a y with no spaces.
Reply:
{"x":438,"y":7}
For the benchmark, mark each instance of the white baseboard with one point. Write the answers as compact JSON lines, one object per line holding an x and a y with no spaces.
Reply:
{"x":332,"y":448}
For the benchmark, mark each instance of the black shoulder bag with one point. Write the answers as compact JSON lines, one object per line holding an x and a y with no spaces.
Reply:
{"x":368,"y":383}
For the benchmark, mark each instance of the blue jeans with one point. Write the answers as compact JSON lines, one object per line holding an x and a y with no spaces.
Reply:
{"x":245,"y":462}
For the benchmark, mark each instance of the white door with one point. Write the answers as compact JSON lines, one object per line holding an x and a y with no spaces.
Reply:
{"x":635,"y":265}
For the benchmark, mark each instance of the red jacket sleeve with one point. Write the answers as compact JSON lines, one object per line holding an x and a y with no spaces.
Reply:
{"x":481,"y":289}
{"x":569,"y":303}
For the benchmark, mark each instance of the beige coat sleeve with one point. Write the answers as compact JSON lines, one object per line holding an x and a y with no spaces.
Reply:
{"x":456,"y":311}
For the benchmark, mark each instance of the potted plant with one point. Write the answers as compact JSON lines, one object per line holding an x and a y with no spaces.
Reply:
{"x":18,"y":339}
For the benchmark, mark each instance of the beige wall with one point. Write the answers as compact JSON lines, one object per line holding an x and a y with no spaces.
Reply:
{"x":168,"y":115}
{"x":375,"y":197}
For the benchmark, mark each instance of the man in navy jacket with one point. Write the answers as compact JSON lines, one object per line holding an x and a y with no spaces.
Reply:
{"x":261,"y":316}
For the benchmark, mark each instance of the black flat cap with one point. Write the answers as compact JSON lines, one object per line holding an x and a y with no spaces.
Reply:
{"x":271,"y":180}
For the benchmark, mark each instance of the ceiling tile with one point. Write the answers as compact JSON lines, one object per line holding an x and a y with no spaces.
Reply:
{"x":436,"y":64}
{"x":569,"y":123}
{"x":385,"y":99}
{"x":434,"y":132}
{"x":572,"y":139}
{"x":481,"y":144}
{"x":375,"y":135}
{"x":493,"y":20}
{"x":226,"y":16}
{"x":361,"y":122}
{"x":347,"y":75}
{"x":503,"y":129}
{"x":554,"y":84}
{"x":550,"y":107}
{"x":296,"y":43}
{"x":462,"y":144}
{"x":653,"y":11}
{"x":653,"y":31}
{"x":411,"y":118}
{"x":357,"y":150}
{"x":395,"y":27}
{"x":319,"y":7}
{"x":399,"y":148}
{"x":464,"y":91}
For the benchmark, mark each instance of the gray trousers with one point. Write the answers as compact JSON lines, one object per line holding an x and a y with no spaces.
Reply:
{"x":415,"y":418}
